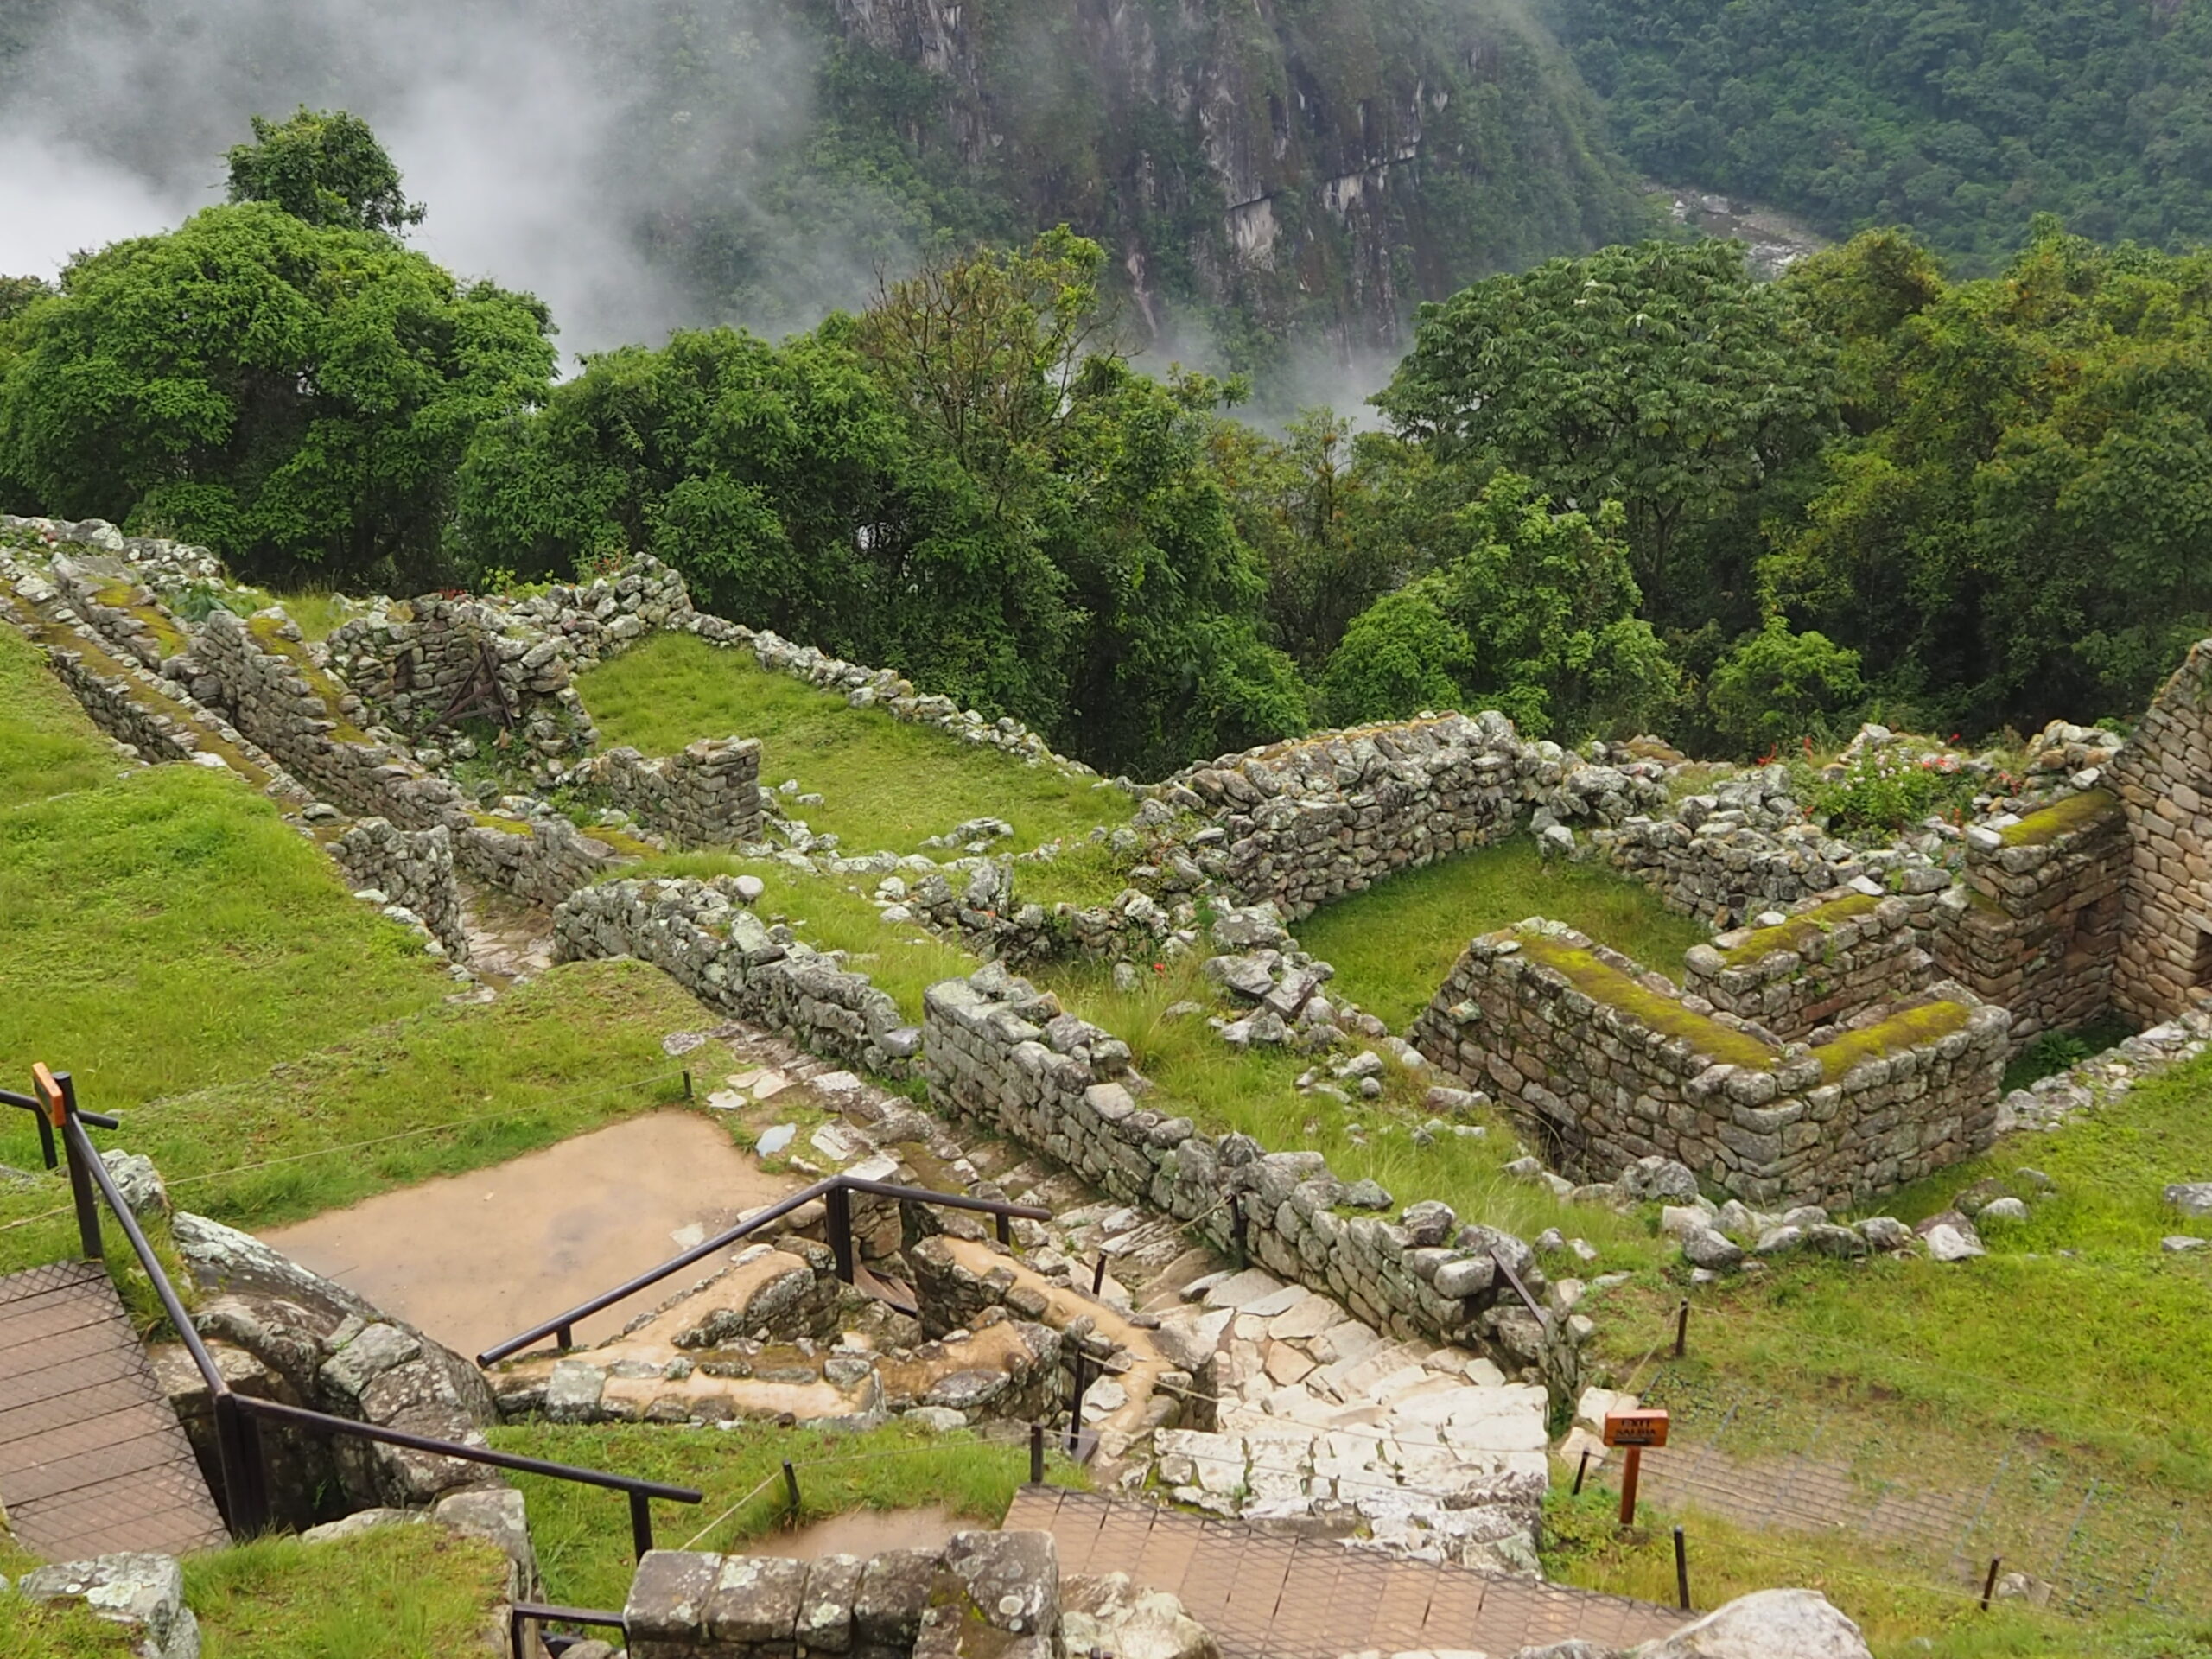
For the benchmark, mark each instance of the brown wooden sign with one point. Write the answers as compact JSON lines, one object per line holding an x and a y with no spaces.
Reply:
{"x":1635,"y":1428}
{"x":49,"y":1092}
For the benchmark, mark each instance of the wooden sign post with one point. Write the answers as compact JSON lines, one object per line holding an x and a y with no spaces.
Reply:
{"x":1633,"y":1431}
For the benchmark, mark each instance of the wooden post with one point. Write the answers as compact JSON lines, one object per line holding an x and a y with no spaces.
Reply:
{"x":791,"y":1490}
{"x":1682,"y":1571}
{"x":1632,"y":1431}
{"x":686,"y":1083}
{"x":59,"y":1094}
{"x":1075,"y":1405}
{"x":1989,"y":1583}
{"x":1630,"y":1470}
{"x":1682,"y":1328}
{"x":837,"y":1205}
{"x":1098,"y":1275}
{"x":1036,"y":1454}
{"x":1581,"y":1470}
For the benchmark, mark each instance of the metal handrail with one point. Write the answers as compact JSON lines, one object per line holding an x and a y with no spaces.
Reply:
{"x":834,"y":1190}
{"x":9,"y":1097}
{"x":238,"y":1436}
{"x":526,"y":1612}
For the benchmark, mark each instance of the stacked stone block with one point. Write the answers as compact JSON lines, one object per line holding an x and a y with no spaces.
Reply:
{"x":708,"y":796}
{"x":1001,"y":1053}
{"x":2163,"y":779}
{"x":2035,"y":924}
{"x":1834,"y":959}
{"x":1301,"y":824}
{"x":1610,"y":1064}
{"x":701,"y":934}
{"x":986,"y":1593}
{"x":412,"y":867}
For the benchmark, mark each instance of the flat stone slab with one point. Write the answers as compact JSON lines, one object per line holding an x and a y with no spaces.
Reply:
{"x":1241,"y":1290}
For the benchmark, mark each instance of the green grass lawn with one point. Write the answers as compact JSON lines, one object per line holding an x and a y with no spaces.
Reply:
{"x":1393,"y":944}
{"x":577,"y":1048}
{"x":47,"y":745}
{"x":583,"y":1534}
{"x":888,"y":784}
{"x":169,"y":930}
{"x":396,"y":1592}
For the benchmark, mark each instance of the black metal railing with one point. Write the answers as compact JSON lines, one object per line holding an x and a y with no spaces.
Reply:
{"x":836,"y":1195}
{"x":236,"y":1417}
{"x":524,"y":1614}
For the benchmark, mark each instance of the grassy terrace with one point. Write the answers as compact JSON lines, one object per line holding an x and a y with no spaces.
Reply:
{"x":1394,"y":943}
{"x":886,"y":783}
{"x":573,"y":1050}
{"x":48,"y":746}
{"x":169,"y":930}
{"x":583,"y":1534}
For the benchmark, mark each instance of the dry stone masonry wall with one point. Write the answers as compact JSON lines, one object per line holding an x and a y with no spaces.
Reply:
{"x":412,"y":869}
{"x":1610,"y":1064}
{"x":1301,"y":824}
{"x":703,"y":934}
{"x":1831,"y":961}
{"x":985,"y":1595}
{"x":708,"y":796}
{"x":2163,"y":779}
{"x":2035,"y":923}
{"x":999,"y":1052}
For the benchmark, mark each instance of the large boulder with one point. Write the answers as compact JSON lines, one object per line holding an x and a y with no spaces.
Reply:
{"x":1766,"y":1624}
{"x":1108,"y":1614}
{"x":143,"y":1594}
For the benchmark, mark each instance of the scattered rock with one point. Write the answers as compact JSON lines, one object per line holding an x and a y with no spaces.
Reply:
{"x":2192,"y":1198}
{"x":1766,"y":1624}
{"x":1661,"y":1180}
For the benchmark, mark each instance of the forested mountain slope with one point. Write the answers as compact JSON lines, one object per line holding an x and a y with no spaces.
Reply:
{"x":1962,"y":119}
{"x":1311,"y":167}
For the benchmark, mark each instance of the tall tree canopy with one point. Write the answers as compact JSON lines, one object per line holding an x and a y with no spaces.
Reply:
{"x":297,"y":397}
{"x":2021,"y":530}
{"x":324,"y":167}
{"x":1659,"y":375}
{"x":952,"y":484}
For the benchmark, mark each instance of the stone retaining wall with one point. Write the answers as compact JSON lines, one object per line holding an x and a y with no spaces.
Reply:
{"x":702,"y":935}
{"x":2162,"y":778}
{"x":2036,"y":923}
{"x":1612,"y":1064}
{"x":985,"y":1593}
{"x":412,"y":867}
{"x":1300,"y":824}
{"x":708,"y":796}
{"x":1000,"y":1052}
{"x":1831,"y":961}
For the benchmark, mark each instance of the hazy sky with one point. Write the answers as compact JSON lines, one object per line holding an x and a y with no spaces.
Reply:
{"x":521,"y":123}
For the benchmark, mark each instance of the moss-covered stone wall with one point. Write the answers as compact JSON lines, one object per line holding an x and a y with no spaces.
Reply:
{"x":2034,"y":922}
{"x":1831,"y":961}
{"x":1609,"y":1063}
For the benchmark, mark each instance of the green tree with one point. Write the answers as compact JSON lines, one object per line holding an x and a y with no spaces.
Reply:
{"x":1775,"y":686}
{"x":297,"y":397}
{"x":16,"y":294}
{"x":1399,"y":656}
{"x":1534,"y":615}
{"x":324,"y":167}
{"x":1659,"y":375}
{"x":2018,"y":532}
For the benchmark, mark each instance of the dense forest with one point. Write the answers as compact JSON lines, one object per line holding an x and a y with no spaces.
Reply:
{"x":1960,"y":119}
{"x":1634,"y":490}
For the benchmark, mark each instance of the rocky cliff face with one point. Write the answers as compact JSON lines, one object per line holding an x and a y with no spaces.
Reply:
{"x":1262,"y":166}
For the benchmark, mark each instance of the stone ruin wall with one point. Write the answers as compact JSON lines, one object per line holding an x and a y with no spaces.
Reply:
{"x":703,"y":935}
{"x":707,"y":796}
{"x":1300,"y":824}
{"x":998,"y":1052}
{"x":2035,"y":923}
{"x":985,"y":1595}
{"x":2163,"y":779}
{"x":412,"y":869}
{"x":1610,"y":1064}
{"x":1830,"y":963}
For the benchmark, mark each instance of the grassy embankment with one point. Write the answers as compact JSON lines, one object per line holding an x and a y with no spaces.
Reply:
{"x":583,"y":1534}
{"x":887,"y":785}
{"x":398,"y":1593}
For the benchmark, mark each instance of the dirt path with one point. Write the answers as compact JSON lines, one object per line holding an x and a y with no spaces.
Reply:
{"x":474,"y":1258}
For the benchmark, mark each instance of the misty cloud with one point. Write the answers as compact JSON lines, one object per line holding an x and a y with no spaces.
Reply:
{"x":581,"y":150}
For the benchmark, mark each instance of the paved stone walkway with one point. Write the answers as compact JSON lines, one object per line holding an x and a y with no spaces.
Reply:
{"x":1264,"y":1595}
